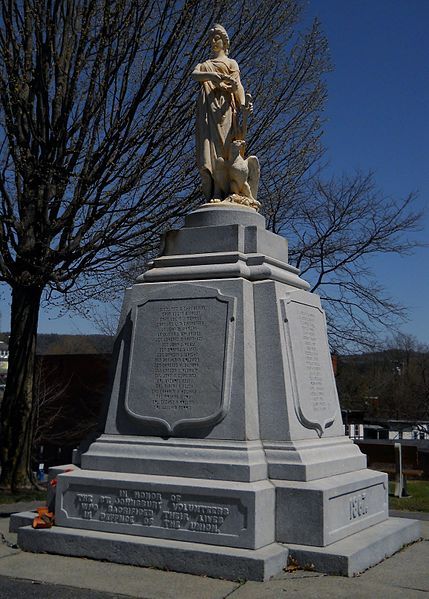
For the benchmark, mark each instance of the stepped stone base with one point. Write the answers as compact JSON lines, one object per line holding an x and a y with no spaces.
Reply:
{"x":229,"y":513}
{"x":21,"y":519}
{"x":193,"y":558}
{"x":321,"y":512}
{"x":212,"y":459}
{"x":360,"y":551}
{"x":347,"y":557}
{"x":313,"y":459}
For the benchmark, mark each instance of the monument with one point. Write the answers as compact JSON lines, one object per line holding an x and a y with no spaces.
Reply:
{"x":223,"y":451}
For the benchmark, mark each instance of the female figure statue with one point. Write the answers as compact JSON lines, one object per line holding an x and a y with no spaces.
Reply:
{"x":219,"y":103}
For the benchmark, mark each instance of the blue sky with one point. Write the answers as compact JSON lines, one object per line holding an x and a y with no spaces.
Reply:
{"x":377,"y":118}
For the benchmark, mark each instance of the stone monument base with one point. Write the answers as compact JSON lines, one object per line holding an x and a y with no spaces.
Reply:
{"x":229,"y":513}
{"x":229,"y":563}
{"x":347,"y":557}
{"x":361,"y":551}
{"x":324,"y":511}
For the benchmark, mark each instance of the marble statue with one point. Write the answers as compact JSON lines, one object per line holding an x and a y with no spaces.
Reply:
{"x":221,"y":126}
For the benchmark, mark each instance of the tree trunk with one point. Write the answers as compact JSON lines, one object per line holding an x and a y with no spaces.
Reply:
{"x":16,"y":407}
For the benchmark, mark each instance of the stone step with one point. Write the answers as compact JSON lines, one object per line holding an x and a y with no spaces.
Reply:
{"x":194,"y":558}
{"x":357,"y":553}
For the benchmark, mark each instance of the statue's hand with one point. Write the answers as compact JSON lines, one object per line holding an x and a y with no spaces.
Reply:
{"x":216,"y":79}
{"x":248,"y":108}
{"x":229,"y":84}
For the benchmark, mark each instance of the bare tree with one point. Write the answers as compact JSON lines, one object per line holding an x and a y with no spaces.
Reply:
{"x":333,"y":231}
{"x":96,"y":145}
{"x":47,"y":405}
{"x":60,"y":415}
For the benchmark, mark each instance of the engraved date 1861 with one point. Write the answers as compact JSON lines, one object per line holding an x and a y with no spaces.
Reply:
{"x":358,"y":506}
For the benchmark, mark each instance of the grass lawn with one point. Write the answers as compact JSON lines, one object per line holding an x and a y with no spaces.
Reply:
{"x":419,"y":500}
{"x":24,"y":496}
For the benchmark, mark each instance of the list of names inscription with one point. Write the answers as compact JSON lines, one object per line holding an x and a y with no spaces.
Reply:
{"x":312,"y":362}
{"x":178,"y":359}
{"x":310,"y":358}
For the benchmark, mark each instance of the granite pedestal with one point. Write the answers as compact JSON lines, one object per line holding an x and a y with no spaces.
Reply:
{"x":223,"y":447}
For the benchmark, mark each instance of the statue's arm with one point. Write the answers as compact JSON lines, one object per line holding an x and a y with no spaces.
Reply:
{"x":239,"y":94}
{"x":202,"y":76}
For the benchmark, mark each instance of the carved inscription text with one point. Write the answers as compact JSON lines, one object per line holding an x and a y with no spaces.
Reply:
{"x":315,"y":396}
{"x":312,"y":364}
{"x":181,"y":358}
{"x":176,"y":360}
{"x":358,"y":506}
{"x":151,"y":508}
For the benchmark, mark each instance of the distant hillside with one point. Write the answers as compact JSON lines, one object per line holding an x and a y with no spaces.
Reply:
{"x":393,"y":383}
{"x":74,"y":344}
{"x":387,"y":355}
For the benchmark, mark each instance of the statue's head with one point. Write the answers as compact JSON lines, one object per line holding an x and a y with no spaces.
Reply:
{"x":219,"y":39}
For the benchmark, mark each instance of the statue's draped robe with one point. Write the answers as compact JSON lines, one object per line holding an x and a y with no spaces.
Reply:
{"x":216,"y":125}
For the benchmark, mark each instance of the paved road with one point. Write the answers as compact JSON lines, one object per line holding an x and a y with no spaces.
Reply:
{"x":12,"y":588}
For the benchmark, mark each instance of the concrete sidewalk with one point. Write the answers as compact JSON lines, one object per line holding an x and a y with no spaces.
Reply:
{"x":404,"y":575}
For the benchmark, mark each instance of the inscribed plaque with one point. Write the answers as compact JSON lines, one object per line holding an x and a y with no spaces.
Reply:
{"x":155,"y":511}
{"x":314,"y":391}
{"x":180,"y":367}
